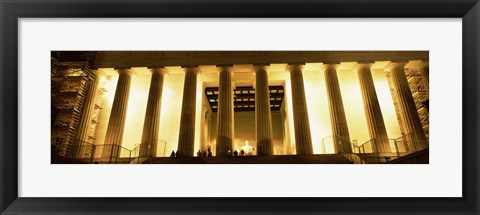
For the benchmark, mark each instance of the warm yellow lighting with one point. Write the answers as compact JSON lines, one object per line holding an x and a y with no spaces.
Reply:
{"x":110,"y":78}
{"x":289,"y":109}
{"x":317,"y":106}
{"x":386,"y":104}
{"x":198,"y":113}
{"x":353,"y":104}
{"x":248,"y":150}
{"x":318,"y":111}
{"x":170,"y":113}
{"x":137,"y":104}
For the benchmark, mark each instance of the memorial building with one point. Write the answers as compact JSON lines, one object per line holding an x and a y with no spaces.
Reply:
{"x":239,"y":107}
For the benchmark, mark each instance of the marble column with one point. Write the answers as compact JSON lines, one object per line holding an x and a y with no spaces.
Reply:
{"x":263,"y":116}
{"x":151,"y":125}
{"x":408,"y":111}
{"x":116,"y":123}
{"x":373,"y":113}
{"x":303,"y":139}
{"x":225,"y":111}
{"x":186,"y":138}
{"x":81,"y":135}
{"x":424,"y":71}
{"x":341,"y":137}
{"x":203,"y":127}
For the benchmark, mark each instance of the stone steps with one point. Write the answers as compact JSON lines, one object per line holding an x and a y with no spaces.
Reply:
{"x":274,"y":159}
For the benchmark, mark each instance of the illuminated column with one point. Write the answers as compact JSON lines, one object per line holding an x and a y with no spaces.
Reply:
{"x":341,"y":137}
{"x":148,"y":146}
{"x":225,"y":111}
{"x":116,"y":123}
{"x":81,"y":134}
{"x":303,"y":139}
{"x":424,"y":70}
{"x":186,"y":138}
{"x":263,"y":116}
{"x":408,"y":110}
{"x":203,"y":120}
{"x":373,"y":113}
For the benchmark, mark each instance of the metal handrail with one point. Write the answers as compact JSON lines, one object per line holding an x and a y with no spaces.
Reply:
{"x":352,"y":157}
{"x":116,"y":153}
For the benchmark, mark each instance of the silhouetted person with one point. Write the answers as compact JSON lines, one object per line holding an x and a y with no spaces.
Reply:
{"x":199,"y":153}
{"x":177,"y":155}
{"x":204,"y":153}
{"x":242,"y":152}
{"x":209,"y":152}
{"x":172,"y":155}
{"x":235,"y":153}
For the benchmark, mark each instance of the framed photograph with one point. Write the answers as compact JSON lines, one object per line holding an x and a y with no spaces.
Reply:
{"x":223,"y":107}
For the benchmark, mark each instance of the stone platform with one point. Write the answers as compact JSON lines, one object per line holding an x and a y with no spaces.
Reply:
{"x":274,"y":159}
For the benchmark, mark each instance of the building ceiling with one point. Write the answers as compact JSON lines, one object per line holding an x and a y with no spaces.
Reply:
{"x":244,"y":98}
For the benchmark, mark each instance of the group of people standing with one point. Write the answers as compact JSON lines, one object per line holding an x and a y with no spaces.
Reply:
{"x":242,"y":153}
{"x":208,"y":153}
{"x":174,"y":154}
{"x":205,"y":153}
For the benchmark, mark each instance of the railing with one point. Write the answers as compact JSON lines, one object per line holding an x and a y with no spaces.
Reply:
{"x":373,"y":151}
{"x":137,"y":155}
{"x":376,"y":152}
{"x":398,"y":147}
{"x":110,"y":153}
{"x":408,"y":143}
{"x":338,"y":146}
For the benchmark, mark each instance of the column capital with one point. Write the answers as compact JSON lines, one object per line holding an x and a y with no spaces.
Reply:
{"x":124,"y":70}
{"x":331,"y":64}
{"x":364,"y":64}
{"x":397,"y":64}
{"x":260,"y":67}
{"x":160,"y":69}
{"x":191,"y":68}
{"x":295,"y":66}
{"x":228,"y":67}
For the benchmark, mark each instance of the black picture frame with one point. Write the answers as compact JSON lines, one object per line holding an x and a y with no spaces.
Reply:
{"x":11,"y":11}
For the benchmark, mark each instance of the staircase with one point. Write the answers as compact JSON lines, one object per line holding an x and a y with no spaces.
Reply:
{"x":272,"y":159}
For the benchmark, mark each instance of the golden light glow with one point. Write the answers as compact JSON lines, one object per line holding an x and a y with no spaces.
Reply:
{"x":318,"y":110}
{"x":386,"y":104}
{"x":289,"y":110}
{"x":111,"y":78}
{"x":198,"y":113}
{"x":353,"y":104}
{"x":137,"y":104}
{"x":170,"y":113}
{"x":315,"y":92}
{"x":317,"y":104}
